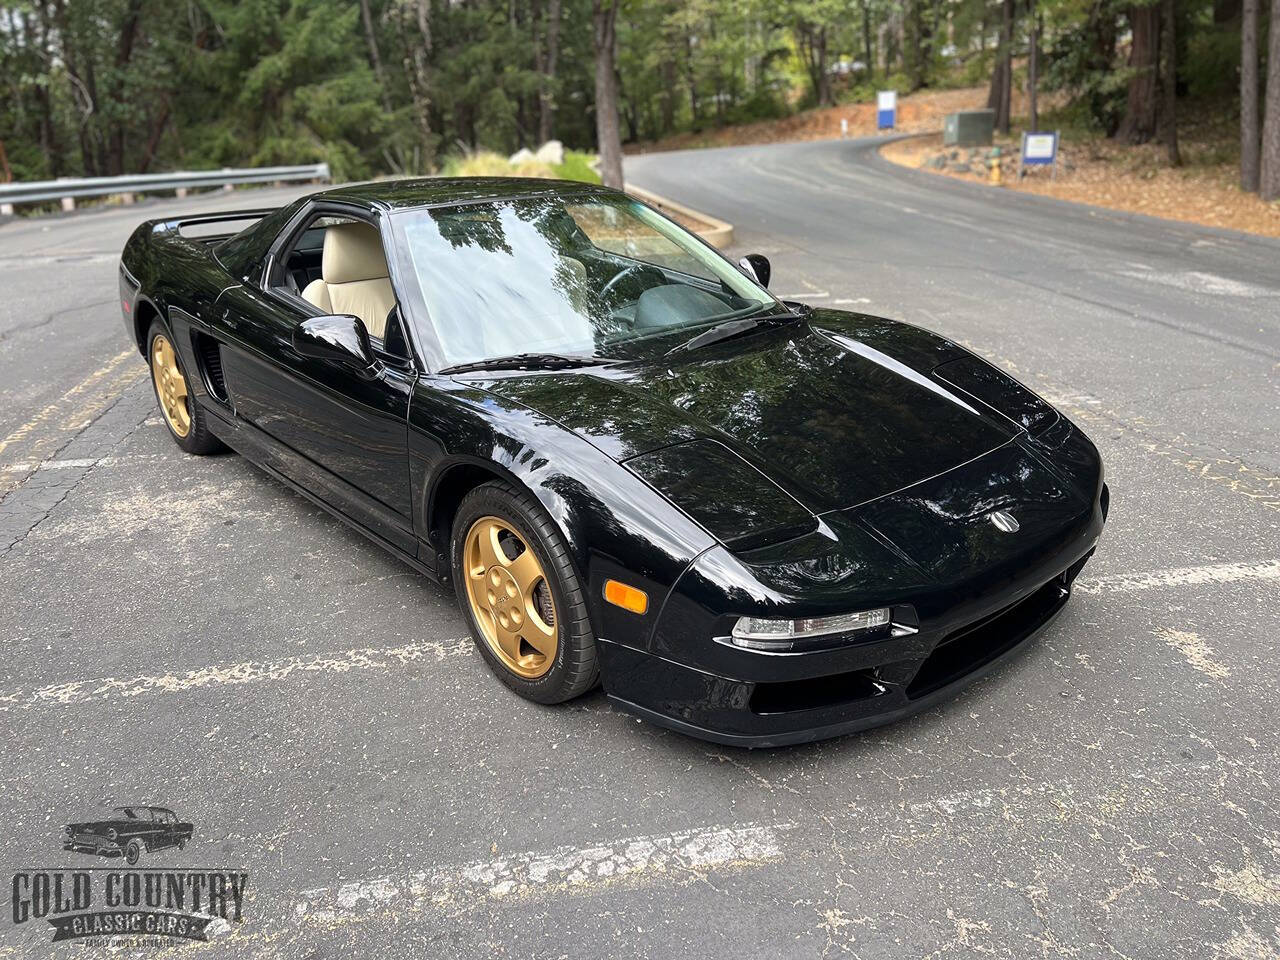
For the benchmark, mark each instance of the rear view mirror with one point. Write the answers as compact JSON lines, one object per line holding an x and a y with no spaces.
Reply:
{"x":340,"y":338}
{"x":756,"y":266}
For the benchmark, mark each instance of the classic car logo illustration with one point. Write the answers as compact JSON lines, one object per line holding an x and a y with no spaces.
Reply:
{"x":152,"y":906}
{"x":131,"y":832}
{"x":1005,"y":522}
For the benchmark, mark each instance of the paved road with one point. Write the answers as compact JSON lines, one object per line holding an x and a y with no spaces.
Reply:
{"x":1112,"y":793}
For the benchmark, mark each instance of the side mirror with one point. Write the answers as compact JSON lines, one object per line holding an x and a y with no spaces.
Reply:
{"x":756,"y":265}
{"x":340,"y":338}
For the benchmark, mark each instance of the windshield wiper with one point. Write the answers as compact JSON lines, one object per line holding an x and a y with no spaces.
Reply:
{"x":526,"y":361}
{"x":736,"y":328}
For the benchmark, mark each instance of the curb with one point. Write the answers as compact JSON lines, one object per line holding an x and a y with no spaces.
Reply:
{"x":716,"y":232}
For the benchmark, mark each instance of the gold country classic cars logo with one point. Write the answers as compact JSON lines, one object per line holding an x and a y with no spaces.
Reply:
{"x":136,"y":906}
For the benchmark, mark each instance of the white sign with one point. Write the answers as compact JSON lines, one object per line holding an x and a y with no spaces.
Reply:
{"x":1039,"y":147}
{"x":886,"y":109}
{"x":1039,"y":150}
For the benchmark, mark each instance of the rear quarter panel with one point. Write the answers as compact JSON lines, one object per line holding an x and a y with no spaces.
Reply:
{"x":167,"y":276}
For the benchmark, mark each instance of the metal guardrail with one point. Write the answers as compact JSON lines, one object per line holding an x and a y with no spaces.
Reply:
{"x":68,"y":189}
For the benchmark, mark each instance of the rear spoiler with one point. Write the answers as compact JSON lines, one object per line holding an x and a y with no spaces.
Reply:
{"x":176,"y":224}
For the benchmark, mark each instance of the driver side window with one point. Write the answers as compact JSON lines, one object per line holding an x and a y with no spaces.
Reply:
{"x":337,"y":265}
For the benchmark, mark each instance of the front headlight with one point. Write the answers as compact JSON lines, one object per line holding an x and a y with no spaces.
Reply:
{"x":757,"y":633}
{"x":111,"y":834}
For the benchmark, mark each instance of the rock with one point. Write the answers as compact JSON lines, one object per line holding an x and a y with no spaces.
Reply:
{"x":939,"y":162}
{"x":961,"y":168}
{"x":955,"y":155}
{"x":551,"y":152}
{"x":523,"y":155}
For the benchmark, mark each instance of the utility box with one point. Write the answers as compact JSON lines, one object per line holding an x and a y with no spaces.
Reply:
{"x":968,"y":128}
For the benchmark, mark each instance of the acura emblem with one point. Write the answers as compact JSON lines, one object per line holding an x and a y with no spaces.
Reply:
{"x":1004,"y":521}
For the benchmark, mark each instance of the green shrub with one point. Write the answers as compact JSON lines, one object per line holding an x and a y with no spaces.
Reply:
{"x":1212,"y":61}
{"x":977,"y":69}
{"x":577,"y":166}
{"x":487,"y":163}
{"x":866,"y":90}
{"x":763,"y":104}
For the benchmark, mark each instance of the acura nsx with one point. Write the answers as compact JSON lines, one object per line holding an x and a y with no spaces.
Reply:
{"x":750,"y":520}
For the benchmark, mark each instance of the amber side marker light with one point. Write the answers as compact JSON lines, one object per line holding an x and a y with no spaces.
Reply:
{"x":628,"y":598}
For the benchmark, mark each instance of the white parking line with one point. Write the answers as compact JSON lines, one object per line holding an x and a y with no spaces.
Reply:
{"x":1197,"y":281}
{"x":1181,"y":576}
{"x":28,"y":466}
{"x":1196,"y":652}
{"x":70,"y":693}
{"x":111,"y":688}
{"x":689,"y":852}
{"x":31,"y":466}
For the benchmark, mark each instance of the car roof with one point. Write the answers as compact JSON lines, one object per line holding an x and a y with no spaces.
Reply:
{"x":409,"y":193}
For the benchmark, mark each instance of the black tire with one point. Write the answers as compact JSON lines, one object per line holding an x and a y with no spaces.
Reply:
{"x":574,"y":669}
{"x":199,"y":440}
{"x":133,"y":852}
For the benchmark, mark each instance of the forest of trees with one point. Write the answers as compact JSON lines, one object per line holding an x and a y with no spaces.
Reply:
{"x":102,"y":87}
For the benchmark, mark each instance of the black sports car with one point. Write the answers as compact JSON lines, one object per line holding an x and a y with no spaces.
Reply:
{"x":755,"y":522}
{"x":129,"y":833}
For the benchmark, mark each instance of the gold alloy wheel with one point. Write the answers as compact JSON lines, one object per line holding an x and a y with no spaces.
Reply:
{"x":171,"y":385}
{"x":510,"y":597}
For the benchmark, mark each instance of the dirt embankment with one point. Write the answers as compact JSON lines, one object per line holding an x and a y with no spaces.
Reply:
{"x":1106,"y":174}
{"x":917,"y":113}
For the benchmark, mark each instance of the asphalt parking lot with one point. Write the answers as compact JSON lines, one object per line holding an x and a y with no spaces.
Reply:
{"x":189,"y":633}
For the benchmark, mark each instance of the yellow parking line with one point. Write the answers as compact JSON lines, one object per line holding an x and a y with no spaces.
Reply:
{"x":53,"y":408}
{"x":70,"y":413}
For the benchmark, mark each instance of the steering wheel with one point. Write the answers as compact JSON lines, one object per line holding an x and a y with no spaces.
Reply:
{"x":617,"y":278}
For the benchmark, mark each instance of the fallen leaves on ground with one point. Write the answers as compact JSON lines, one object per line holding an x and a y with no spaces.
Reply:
{"x":1137,"y":179}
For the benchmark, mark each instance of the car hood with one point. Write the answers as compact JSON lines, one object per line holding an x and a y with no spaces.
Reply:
{"x":835,"y":412}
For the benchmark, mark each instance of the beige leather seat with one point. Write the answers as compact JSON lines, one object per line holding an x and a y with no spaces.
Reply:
{"x":354,"y":276}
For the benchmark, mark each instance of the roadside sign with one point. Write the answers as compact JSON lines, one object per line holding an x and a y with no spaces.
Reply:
{"x":886,"y":109}
{"x":1039,"y":150}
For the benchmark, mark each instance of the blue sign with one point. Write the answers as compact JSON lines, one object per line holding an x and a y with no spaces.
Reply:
{"x":1039,"y":149}
{"x":886,"y":109}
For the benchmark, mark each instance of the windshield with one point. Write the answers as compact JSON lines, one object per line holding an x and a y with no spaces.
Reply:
{"x":581,"y":276}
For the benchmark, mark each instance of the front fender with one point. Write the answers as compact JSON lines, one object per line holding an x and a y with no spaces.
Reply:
{"x":614,"y":524}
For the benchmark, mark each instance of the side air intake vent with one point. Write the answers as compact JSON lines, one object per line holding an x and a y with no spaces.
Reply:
{"x":210,"y":353}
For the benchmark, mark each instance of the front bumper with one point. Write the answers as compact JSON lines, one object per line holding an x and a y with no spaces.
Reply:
{"x":769,"y":714}
{"x":101,"y":847}
{"x":747,"y":699}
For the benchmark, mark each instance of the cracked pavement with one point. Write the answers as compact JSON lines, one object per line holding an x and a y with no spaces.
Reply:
{"x":188,"y":632}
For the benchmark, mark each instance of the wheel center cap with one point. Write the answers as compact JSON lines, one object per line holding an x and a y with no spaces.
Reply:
{"x":505,"y":597}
